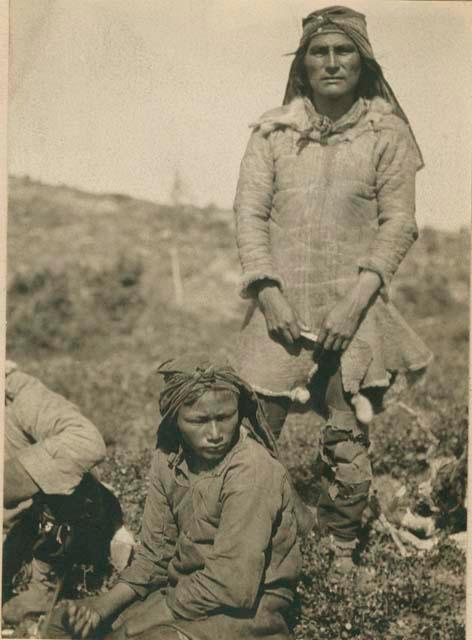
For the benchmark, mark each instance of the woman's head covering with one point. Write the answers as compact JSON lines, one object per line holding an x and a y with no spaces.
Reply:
{"x":353,"y":24}
{"x":189,"y":377}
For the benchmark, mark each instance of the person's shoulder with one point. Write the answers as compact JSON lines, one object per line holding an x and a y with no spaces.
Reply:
{"x":17,"y":380}
{"x":383,"y":118}
{"x":10,"y":367}
{"x":253,"y":458}
{"x":162,"y":464}
{"x":292,"y":115}
{"x":161,"y":458}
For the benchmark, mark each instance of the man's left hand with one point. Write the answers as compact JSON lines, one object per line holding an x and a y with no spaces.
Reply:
{"x":339,"y":325}
{"x":342,"y":321}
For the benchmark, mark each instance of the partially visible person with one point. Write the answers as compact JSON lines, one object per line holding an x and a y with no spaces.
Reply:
{"x":55,"y":511}
{"x":219,"y":556}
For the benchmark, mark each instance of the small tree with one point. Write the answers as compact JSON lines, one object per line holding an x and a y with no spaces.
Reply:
{"x":180,"y":193}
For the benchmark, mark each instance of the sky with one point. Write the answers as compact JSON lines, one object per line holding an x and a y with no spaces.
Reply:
{"x":120,"y":96}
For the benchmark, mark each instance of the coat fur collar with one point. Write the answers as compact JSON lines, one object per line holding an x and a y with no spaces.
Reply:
{"x":300,"y":116}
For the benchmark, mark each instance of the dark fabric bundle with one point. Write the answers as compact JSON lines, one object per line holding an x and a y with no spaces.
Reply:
{"x":76,"y":528}
{"x":189,"y":377}
{"x":352,"y":24}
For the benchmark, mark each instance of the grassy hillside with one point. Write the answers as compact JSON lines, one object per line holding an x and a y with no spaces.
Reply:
{"x":91,"y":298}
{"x":95,"y":301}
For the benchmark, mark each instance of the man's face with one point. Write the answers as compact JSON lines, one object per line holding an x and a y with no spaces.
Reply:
{"x":209,"y":425}
{"x":333,"y":66}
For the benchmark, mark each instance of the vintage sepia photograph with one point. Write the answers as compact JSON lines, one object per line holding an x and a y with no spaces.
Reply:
{"x":236,"y":367}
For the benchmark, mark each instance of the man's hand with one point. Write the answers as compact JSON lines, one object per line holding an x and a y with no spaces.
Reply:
{"x":339,"y":325}
{"x":342,"y":321}
{"x":82,"y":620}
{"x":281,"y":319}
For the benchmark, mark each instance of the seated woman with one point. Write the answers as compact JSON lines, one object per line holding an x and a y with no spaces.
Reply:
{"x":219,"y":556}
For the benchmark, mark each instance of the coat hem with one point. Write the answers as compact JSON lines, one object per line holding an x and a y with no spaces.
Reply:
{"x":302,"y":394}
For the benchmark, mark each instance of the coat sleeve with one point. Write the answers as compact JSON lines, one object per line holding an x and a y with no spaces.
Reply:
{"x":234,"y":570}
{"x":148,"y":570}
{"x":395,"y":187}
{"x":252,"y":209}
{"x":65,"y":445}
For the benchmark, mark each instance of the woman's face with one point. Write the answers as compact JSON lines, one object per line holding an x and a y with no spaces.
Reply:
{"x":333,"y":66}
{"x":209,"y":425}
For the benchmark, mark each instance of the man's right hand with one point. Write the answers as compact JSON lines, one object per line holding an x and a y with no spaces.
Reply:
{"x":281,"y":319}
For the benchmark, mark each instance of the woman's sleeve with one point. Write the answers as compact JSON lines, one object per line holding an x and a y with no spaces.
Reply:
{"x":252,"y":208}
{"x":235,"y":567}
{"x":148,"y":570}
{"x":395,"y":188}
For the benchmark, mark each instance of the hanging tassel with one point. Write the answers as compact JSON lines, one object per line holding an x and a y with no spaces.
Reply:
{"x":301,"y":395}
{"x":363,"y":408}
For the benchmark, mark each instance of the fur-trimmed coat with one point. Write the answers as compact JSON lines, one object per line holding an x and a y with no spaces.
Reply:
{"x":318,"y":201}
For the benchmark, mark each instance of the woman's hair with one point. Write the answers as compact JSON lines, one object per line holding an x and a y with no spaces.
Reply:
{"x":194,"y":395}
{"x":299,"y":85}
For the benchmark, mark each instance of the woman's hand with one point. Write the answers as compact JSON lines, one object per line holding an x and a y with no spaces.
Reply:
{"x":85,"y":616}
{"x":342,"y":321}
{"x":82,"y":620}
{"x":281,"y":319}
